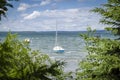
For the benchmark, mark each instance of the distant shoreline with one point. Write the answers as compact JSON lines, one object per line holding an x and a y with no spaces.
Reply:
{"x":52,"y":31}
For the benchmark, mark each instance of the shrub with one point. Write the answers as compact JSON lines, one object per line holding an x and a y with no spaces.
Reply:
{"x":19,"y":62}
{"x":102,"y":61}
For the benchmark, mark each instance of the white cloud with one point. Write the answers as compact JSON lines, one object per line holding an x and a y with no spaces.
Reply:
{"x":45,"y":2}
{"x":24,"y":6}
{"x":67,"y":20}
{"x":69,"y":13}
{"x":34,"y":15}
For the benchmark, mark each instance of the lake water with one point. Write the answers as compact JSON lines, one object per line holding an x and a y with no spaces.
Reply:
{"x":70,"y":40}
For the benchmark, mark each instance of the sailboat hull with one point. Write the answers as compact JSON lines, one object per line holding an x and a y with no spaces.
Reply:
{"x":58,"y":49}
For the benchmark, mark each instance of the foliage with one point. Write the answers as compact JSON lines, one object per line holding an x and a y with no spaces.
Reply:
{"x":110,"y":13}
{"x":4,"y":4}
{"x":19,"y":62}
{"x":102,"y":62}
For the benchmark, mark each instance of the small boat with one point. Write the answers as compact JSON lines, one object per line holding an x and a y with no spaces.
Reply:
{"x":27,"y":40}
{"x":57,"y":48}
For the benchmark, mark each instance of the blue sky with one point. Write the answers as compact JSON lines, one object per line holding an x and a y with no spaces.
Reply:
{"x":41,"y":15}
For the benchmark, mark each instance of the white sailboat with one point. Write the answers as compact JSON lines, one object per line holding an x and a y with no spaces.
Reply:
{"x":57,"y":48}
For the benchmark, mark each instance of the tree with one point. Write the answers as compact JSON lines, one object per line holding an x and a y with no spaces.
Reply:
{"x":4,"y":4}
{"x":102,"y":61}
{"x":110,"y":13}
{"x":19,"y":62}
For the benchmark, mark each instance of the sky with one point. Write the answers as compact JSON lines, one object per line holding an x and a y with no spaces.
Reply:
{"x":44,"y":15}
